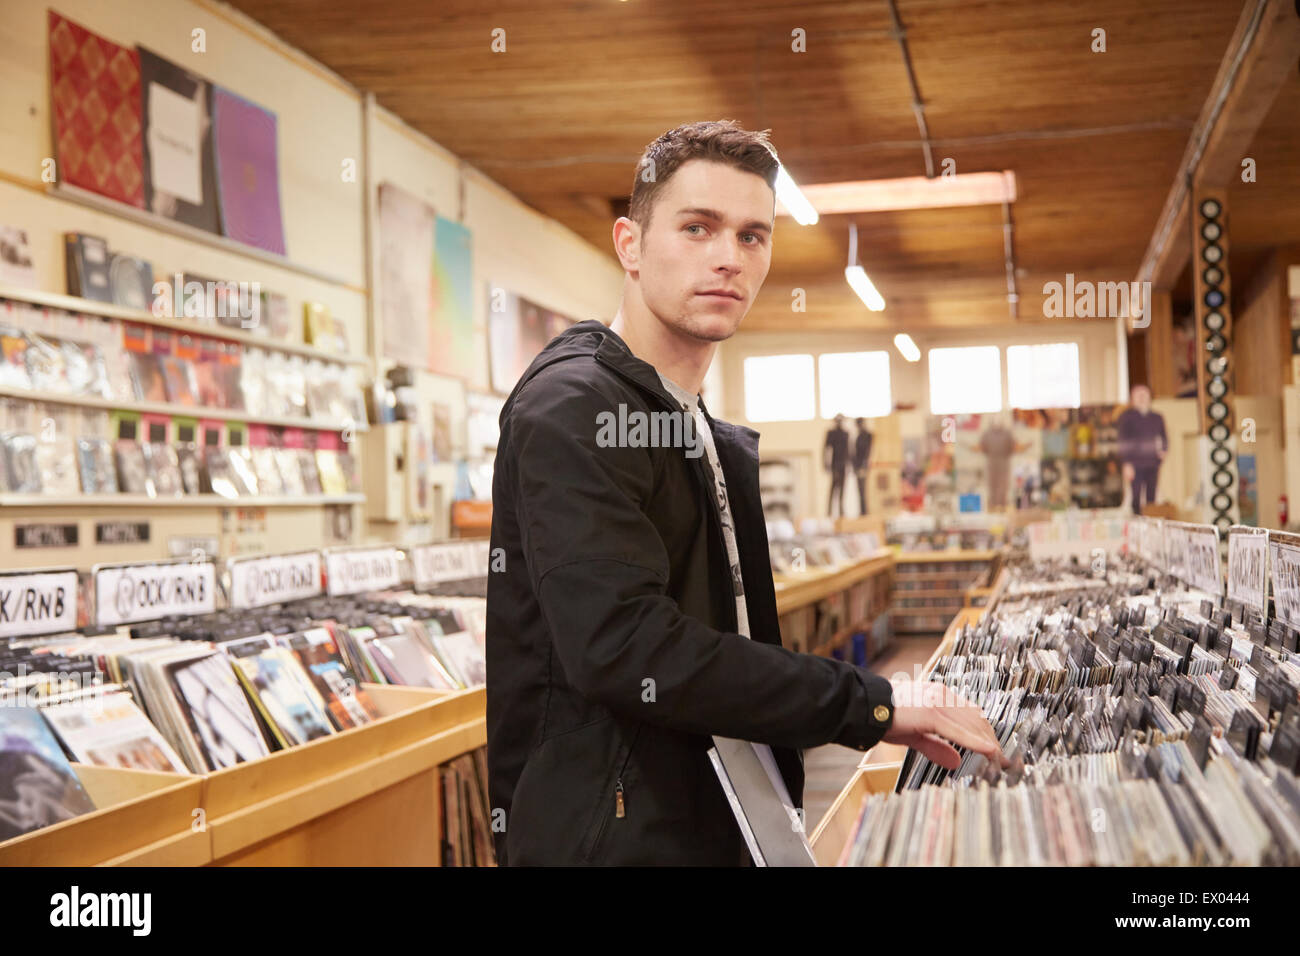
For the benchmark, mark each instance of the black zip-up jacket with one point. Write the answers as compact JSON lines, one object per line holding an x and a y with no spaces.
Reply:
{"x":612,"y":650}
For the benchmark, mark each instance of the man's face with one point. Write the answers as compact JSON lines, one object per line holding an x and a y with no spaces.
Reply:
{"x":708,"y":249}
{"x":1141,"y":399}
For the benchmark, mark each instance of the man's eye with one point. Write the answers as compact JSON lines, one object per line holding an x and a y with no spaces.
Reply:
{"x":694,"y":225}
{"x":755,"y":236}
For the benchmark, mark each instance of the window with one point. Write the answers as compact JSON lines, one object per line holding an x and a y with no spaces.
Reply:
{"x":965,"y":381}
{"x":1043,"y":376}
{"x":854,"y":384}
{"x":779,"y":388}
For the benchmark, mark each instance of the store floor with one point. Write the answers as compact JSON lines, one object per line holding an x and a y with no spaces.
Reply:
{"x":827,"y":769}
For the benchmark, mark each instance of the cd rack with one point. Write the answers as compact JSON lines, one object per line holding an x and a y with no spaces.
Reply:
{"x":366,"y":796}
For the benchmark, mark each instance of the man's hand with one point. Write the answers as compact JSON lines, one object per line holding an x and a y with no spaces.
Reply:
{"x":930,"y":717}
{"x":1129,"y":473}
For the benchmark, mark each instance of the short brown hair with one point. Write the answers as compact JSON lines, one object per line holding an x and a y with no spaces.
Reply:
{"x":721,"y":141}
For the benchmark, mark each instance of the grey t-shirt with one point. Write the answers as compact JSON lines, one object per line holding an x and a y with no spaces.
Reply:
{"x":690,"y":404}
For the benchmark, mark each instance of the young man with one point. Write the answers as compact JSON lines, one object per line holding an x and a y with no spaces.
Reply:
{"x":634,"y":625}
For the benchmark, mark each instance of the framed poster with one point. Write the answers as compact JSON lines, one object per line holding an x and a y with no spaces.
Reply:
{"x":406,"y":225}
{"x":451,"y":331}
{"x":517,"y":330}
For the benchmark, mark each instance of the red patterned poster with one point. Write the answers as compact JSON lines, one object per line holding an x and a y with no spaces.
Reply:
{"x":95,"y":94}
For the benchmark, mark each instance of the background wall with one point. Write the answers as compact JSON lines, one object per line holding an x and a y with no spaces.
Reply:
{"x":803,"y":441}
{"x":321,"y":128}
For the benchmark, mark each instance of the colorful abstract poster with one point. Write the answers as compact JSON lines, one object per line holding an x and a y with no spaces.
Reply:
{"x":95,"y":95}
{"x":180,"y":179}
{"x":517,"y":330}
{"x":406,"y":226}
{"x":248,"y":171}
{"x":451,"y":307}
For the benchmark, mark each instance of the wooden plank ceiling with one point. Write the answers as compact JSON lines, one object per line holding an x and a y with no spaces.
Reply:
{"x":561,"y":118}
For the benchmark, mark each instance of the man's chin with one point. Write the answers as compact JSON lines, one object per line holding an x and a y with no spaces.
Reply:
{"x":709,"y":328}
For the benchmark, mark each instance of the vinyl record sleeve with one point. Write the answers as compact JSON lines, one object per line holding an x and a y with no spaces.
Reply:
{"x":217,"y":710}
{"x":179,"y":171}
{"x":109,"y":730}
{"x":38,"y":786}
{"x":247,"y":171}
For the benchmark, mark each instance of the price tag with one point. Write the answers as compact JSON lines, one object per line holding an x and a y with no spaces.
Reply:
{"x":274,"y":579}
{"x":362,"y":569}
{"x":454,"y":561}
{"x":1248,"y":566}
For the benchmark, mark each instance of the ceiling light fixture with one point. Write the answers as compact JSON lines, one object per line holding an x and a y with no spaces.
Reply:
{"x":857,"y":276}
{"x":792,"y":200}
{"x":909,"y":192}
{"x":903,"y":342}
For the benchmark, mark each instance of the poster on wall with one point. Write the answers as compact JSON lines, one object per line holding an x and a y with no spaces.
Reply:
{"x":1055,"y":458}
{"x":517,"y":330}
{"x":179,"y":172}
{"x":248,"y":171}
{"x":928,"y":478}
{"x":451,"y":332}
{"x":406,"y":274}
{"x":95,"y":100}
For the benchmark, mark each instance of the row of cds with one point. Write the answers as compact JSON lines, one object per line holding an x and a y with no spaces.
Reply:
{"x":1144,"y":724}
{"x":201,"y":694}
{"x":58,"y":464}
{"x":81,"y":356}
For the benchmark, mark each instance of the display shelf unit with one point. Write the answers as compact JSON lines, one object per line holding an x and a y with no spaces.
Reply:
{"x":931,"y":587}
{"x":106,"y":310}
{"x":820,"y":610}
{"x":367,"y":796}
{"x":184,"y":411}
{"x":177,"y":501}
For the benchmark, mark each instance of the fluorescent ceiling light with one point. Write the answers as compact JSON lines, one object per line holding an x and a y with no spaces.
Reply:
{"x":903,"y":342}
{"x":911,"y":192}
{"x":791,"y":201}
{"x":857,"y":277}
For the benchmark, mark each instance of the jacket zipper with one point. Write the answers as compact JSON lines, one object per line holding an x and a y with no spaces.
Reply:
{"x":620,"y":808}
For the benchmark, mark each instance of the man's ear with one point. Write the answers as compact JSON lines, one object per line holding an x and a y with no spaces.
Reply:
{"x":627,"y":244}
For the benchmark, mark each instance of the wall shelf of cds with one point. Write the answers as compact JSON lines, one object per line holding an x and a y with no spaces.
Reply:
{"x":187,"y":411}
{"x":177,"y":501}
{"x":108,"y":310}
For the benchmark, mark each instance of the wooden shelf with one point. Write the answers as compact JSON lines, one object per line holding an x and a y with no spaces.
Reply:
{"x":183,"y":411}
{"x":84,"y":197}
{"x":366,"y":796}
{"x":799,"y":589}
{"x":69,"y":303}
{"x":179,"y":501}
{"x":929,"y":557}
